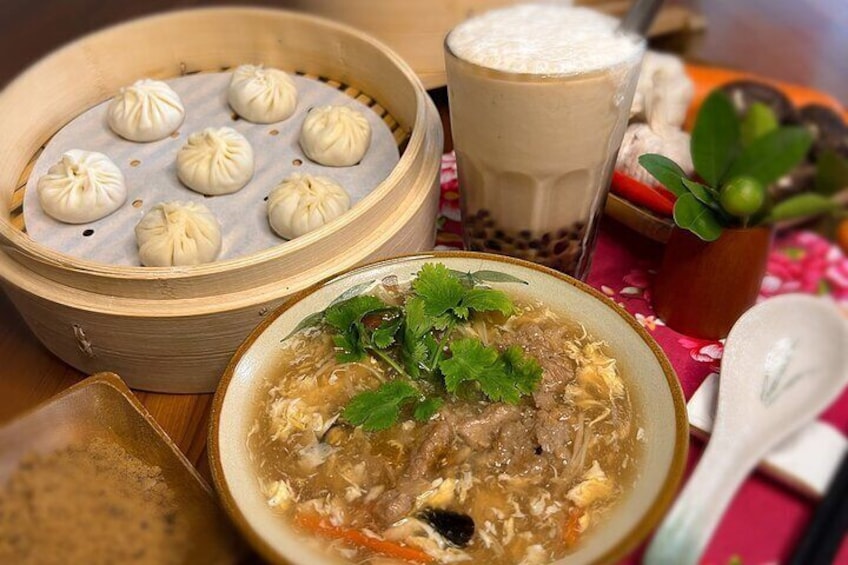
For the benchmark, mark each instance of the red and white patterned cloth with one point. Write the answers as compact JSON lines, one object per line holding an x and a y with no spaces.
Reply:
{"x":765,"y":520}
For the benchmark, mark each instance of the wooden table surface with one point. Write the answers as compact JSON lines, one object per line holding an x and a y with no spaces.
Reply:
{"x":803,"y":41}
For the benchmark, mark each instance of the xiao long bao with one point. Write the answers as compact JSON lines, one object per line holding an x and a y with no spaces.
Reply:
{"x":175,"y":234}
{"x":335,"y":136}
{"x":148,"y":110}
{"x":261,"y":95}
{"x":83,"y":187}
{"x":302,"y":203}
{"x":215,"y":161}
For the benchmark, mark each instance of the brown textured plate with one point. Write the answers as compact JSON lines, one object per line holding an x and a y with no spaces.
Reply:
{"x":102,"y":406}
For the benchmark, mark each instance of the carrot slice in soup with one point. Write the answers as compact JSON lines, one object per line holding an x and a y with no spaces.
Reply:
{"x":314,"y":524}
{"x":571,"y":528}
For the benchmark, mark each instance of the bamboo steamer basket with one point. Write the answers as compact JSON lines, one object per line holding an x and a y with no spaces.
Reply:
{"x":413,"y":28}
{"x":174,"y":329}
{"x":416,"y":29}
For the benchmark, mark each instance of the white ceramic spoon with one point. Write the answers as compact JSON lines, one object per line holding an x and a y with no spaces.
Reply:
{"x":784,"y":362}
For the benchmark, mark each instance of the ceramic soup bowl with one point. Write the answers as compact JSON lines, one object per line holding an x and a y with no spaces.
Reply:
{"x":652,"y":384}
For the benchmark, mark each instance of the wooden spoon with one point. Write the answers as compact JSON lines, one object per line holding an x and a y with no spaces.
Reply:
{"x":784,"y":362}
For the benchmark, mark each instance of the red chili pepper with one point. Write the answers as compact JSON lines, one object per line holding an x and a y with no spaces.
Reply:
{"x":654,"y":198}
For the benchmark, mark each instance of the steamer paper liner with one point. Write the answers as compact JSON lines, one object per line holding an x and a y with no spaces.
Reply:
{"x":242,"y":215}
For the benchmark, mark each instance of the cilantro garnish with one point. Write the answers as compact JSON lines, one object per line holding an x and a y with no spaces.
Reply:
{"x":346,"y":319}
{"x":379,"y":409}
{"x":487,"y":300}
{"x":418,"y":344}
{"x":446,"y":300}
{"x":388,"y":323}
{"x":441,"y":294}
{"x":470,"y":361}
{"x":427,"y":408}
{"x":346,"y":313}
{"x":525,"y":371}
{"x":441,"y":301}
{"x":503,"y":377}
{"x":363,"y":324}
{"x":413,"y":340}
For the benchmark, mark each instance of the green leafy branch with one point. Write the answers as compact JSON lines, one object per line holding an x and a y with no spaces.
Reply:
{"x":735,"y":160}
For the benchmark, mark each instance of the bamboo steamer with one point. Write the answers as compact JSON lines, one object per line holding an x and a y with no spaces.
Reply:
{"x":173,"y":330}
{"x":413,"y":28}
{"x":416,"y":29}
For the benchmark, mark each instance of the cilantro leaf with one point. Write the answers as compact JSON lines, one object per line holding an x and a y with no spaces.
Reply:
{"x":488,"y":300}
{"x":498,"y":386}
{"x":412,"y":340}
{"x":501,"y":377}
{"x":418,"y":322}
{"x":379,"y":409}
{"x":427,"y":408}
{"x":439,"y":289}
{"x":388,"y":323}
{"x":448,"y":299}
{"x":461,"y":311}
{"x":525,"y":371}
{"x":351,"y":349}
{"x":469,"y":360}
{"x":414,"y":350}
{"x":384,"y":336}
{"x":344,"y":314}
{"x":414,"y":355}
{"x":344,"y":317}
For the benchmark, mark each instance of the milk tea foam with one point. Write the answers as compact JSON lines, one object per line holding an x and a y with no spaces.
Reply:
{"x":539,"y":98}
{"x":543,"y":39}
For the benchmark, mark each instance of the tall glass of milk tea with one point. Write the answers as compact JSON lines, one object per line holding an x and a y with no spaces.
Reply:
{"x":539,"y":99}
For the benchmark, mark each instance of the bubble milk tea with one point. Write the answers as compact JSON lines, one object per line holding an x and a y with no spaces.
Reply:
{"x":539,"y":100}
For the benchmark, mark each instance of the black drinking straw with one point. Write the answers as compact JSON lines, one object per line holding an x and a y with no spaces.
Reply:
{"x":829,"y":525}
{"x":640,"y":17}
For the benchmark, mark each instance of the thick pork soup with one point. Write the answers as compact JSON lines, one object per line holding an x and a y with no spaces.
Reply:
{"x":444,"y":421}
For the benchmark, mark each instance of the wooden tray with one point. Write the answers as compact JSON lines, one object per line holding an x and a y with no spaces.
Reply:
{"x":103,"y":407}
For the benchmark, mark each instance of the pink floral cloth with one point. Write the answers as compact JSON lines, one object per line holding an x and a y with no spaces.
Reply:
{"x":765,"y":520}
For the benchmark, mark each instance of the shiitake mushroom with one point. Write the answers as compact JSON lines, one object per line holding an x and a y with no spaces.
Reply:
{"x":743,"y":93}
{"x":829,"y":130}
{"x":455,"y":527}
{"x":337,"y":434}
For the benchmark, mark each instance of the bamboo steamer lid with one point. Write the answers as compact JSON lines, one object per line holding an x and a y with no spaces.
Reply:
{"x":415,"y":29}
{"x":173,"y":330}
